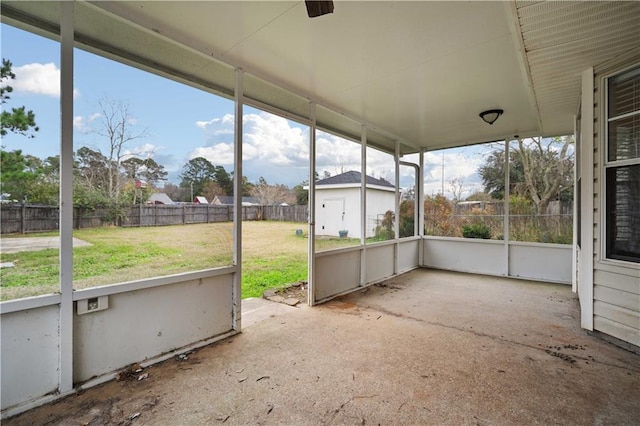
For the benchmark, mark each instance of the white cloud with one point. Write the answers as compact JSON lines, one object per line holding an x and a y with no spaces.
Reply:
{"x":83,"y":124}
{"x":460,"y":163}
{"x":271,"y":142}
{"x":268,"y":138}
{"x":226,"y":121}
{"x":336,"y":155}
{"x":146,"y":150}
{"x":274,"y":140}
{"x":40,"y":79}
{"x":220,"y":154}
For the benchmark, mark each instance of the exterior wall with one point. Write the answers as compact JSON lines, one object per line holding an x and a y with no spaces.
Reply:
{"x":30,"y":354}
{"x":616,"y":290}
{"x":329,"y":219}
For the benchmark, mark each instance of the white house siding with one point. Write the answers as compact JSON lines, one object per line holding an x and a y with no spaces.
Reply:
{"x":616,"y":291}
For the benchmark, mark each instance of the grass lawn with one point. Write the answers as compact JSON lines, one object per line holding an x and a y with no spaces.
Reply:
{"x":272,"y":256}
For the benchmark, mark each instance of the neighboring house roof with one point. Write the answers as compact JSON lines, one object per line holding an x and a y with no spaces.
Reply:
{"x":201,"y":200}
{"x":228,"y":200}
{"x":159,"y":198}
{"x":352,"y":177}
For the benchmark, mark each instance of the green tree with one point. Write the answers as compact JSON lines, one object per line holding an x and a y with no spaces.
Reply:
{"x":302,"y":195}
{"x":28,"y":178}
{"x":492,"y":172}
{"x":247,"y":187}
{"x":18,"y":120}
{"x":92,"y":171}
{"x":17,"y":175}
{"x":223,"y":179}
{"x":46,"y":187}
{"x":147,"y":170}
{"x":196,"y":174}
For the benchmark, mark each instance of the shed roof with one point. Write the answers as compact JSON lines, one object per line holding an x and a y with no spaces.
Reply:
{"x":228,"y":200}
{"x":352,"y":177}
{"x":159,"y":198}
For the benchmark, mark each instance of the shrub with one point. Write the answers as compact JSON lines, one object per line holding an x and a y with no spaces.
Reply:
{"x":476,"y":230}
{"x":384,"y":231}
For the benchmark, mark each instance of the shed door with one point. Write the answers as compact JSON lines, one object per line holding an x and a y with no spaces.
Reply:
{"x":332,"y":216}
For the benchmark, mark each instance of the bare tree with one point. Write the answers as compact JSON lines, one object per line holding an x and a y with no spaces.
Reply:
{"x":456,"y":186}
{"x":385,"y":175}
{"x":545,"y":166}
{"x":269,"y":195}
{"x":211,"y":190}
{"x":117,"y":125}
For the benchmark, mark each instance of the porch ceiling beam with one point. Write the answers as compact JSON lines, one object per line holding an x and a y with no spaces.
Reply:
{"x":523,"y":60}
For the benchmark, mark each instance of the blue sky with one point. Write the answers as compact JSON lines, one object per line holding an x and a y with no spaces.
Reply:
{"x":182,"y":122}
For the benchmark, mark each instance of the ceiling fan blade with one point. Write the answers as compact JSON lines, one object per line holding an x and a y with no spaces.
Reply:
{"x":318,"y":8}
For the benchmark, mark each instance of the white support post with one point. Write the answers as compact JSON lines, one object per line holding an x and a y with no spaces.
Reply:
{"x":66,"y":197}
{"x":576,"y":212}
{"x":419,"y":198}
{"x":311,"y":285}
{"x":363,"y":205}
{"x":585,"y":285}
{"x":237,"y":203}
{"x":505,"y":216}
{"x":396,"y":224}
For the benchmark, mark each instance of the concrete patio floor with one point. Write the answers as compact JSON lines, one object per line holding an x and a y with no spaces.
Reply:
{"x":429,"y":347}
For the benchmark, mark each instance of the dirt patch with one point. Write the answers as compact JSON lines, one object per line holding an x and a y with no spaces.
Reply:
{"x":129,"y":398}
{"x":288,"y":293}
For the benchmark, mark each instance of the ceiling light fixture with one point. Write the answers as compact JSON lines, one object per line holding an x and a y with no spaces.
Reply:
{"x":318,"y":8}
{"x":490,"y":116}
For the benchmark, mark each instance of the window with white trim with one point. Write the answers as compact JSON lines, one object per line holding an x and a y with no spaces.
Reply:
{"x":622,"y":166}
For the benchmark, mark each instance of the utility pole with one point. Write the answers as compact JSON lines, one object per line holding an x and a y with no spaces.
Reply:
{"x":442,"y":188}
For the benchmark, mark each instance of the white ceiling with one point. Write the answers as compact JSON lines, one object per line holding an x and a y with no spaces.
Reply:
{"x":420,"y":72}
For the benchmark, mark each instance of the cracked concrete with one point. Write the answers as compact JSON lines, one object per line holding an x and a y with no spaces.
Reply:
{"x":429,"y":347}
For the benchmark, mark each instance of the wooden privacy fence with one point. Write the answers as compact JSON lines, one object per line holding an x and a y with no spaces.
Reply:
{"x":25,"y":218}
